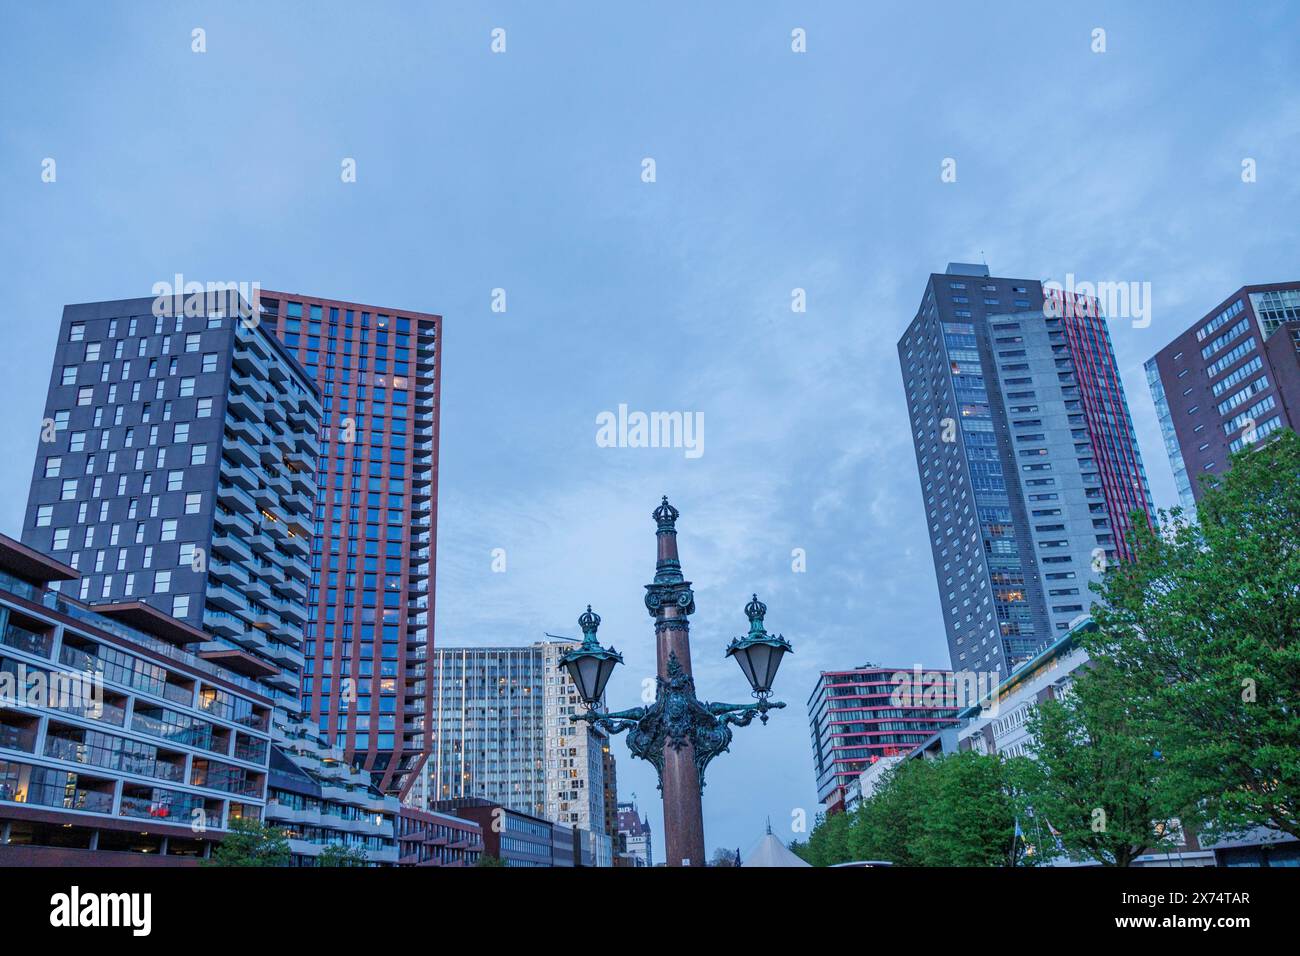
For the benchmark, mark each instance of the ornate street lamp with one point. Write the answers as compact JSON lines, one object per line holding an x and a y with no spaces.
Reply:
{"x":590,"y":665}
{"x":679,"y":733}
{"x":759,"y":654}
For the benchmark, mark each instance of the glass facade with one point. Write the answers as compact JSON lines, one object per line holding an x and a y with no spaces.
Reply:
{"x":1027,"y":457}
{"x":371,"y":591}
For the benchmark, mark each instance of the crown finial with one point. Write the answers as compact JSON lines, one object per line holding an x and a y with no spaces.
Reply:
{"x":755,"y":610}
{"x":666,"y":515}
{"x":589,"y":621}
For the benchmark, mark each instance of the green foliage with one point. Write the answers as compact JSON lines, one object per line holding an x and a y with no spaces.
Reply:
{"x":1204,"y":629}
{"x":829,"y":841}
{"x":251,"y":843}
{"x":487,"y":860}
{"x":958,"y":810}
{"x":1098,"y":779}
{"x":336,"y":854}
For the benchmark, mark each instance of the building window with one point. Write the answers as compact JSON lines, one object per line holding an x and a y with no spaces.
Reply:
{"x":60,"y":540}
{"x":193,"y":502}
{"x":76,"y":331}
{"x":199,"y":455}
{"x":162,"y":582}
{"x":52,"y":466}
{"x":85,"y":395}
{"x":181,"y":605}
{"x":168,"y":529}
{"x":68,"y":491}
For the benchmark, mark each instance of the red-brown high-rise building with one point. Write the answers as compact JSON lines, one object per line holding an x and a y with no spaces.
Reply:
{"x":1229,"y":380}
{"x":371,"y":599}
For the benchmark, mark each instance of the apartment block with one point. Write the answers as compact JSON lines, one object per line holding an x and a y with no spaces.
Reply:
{"x":370,"y":628}
{"x":1028,"y":461}
{"x":121,"y":743}
{"x":859,"y":716}
{"x":429,"y":838}
{"x":576,"y":752}
{"x":1230,"y":380}
{"x":176,"y":476}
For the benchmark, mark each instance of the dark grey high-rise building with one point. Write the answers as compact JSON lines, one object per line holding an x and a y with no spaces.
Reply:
{"x":177,"y":470}
{"x":1028,"y":462}
{"x":177,"y":474}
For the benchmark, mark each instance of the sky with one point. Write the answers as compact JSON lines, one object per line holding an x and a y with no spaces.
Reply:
{"x":774,"y":170}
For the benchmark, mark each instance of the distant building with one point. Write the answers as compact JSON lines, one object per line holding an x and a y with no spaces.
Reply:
{"x":864,"y":788}
{"x":576,"y":752}
{"x":501,"y":730}
{"x":636,"y":834}
{"x":1002,"y":729}
{"x":520,"y":839}
{"x":1231,"y":379}
{"x":488,"y":728}
{"x":429,"y":838}
{"x":858,"y":717}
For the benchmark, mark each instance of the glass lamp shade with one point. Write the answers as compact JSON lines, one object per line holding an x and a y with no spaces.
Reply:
{"x":759,"y":658}
{"x":590,"y":665}
{"x":590,"y":672}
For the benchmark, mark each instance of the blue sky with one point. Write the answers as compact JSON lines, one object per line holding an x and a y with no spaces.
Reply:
{"x":774,"y":171}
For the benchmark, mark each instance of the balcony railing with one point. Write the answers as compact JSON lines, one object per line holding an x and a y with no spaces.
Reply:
{"x":18,"y":738}
{"x":22,"y":639}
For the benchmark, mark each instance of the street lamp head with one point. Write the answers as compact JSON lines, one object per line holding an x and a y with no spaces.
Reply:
{"x":759,"y":653}
{"x":590,"y":665}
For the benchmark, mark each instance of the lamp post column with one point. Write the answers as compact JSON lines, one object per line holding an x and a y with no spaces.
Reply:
{"x":670,"y":601}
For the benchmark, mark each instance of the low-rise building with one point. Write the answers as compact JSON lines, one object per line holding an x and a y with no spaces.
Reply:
{"x":637,"y":839}
{"x":517,"y":838}
{"x":118,"y":744}
{"x":430,"y":838}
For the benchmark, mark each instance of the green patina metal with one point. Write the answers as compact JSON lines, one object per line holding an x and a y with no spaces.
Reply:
{"x":678,"y":718}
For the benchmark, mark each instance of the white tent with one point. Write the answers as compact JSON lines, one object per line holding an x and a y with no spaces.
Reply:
{"x":772,"y":852}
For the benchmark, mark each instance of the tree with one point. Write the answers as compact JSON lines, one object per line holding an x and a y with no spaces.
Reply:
{"x":828,"y":843}
{"x":972,"y":813}
{"x":336,"y":854}
{"x":1098,"y":780}
{"x":723,"y":857}
{"x":958,"y":810}
{"x":488,"y":860}
{"x":1204,"y":626}
{"x":251,"y":843}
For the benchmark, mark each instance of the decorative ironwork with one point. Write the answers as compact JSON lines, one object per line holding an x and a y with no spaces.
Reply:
{"x":678,"y":718}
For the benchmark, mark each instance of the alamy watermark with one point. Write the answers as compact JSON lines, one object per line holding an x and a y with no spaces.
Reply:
{"x":635,"y":429}
{"x":1114,"y":300}
{"x":37,"y":689}
{"x":957,"y":689}
{"x":190,"y":299}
